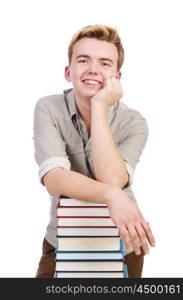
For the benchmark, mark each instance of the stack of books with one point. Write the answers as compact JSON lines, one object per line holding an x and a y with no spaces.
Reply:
{"x":88,"y":241}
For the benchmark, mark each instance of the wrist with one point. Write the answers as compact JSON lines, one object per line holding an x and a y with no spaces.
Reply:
{"x":109,"y":193}
{"x":97,"y":104}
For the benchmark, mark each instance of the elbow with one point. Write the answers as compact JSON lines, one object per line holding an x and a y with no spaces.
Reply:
{"x":50,"y":181}
{"x":50,"y":188}
{"x":125,"y":180}
{"x":118,"y":181}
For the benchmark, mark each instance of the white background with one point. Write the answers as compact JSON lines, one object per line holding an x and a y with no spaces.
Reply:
{"x":33,"y":44}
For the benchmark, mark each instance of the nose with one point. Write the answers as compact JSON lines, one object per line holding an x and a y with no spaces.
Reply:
{"x":93,"y":68}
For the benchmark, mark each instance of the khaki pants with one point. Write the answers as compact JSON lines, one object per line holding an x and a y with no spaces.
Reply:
{"x":47,"y":262}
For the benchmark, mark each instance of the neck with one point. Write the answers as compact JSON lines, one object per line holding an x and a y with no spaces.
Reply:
{"x":84,"y":108}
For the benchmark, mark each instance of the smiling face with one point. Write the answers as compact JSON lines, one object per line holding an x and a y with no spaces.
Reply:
{"x":92,"y":62}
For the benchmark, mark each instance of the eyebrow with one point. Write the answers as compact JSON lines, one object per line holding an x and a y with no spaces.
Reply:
{"x":102,"y":58}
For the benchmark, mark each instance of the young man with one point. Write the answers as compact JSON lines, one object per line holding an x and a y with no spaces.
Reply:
{"x":87,"y":143}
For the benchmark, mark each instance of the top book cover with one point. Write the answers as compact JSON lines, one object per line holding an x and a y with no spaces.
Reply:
{"x":75,"y":202}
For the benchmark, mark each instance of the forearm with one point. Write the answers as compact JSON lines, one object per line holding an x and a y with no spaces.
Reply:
{"x":108,"y":163}
{"x":124,"y":213}
{"x":75,"y":185}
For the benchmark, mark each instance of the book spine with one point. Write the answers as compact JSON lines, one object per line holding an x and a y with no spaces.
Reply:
{"x":91,"y":236}
{"x":83,"y":217}
{"x":81,"y":206}
{"x":90,"y":271}
{"x":86,"y":226}
{"x":93,"y":260}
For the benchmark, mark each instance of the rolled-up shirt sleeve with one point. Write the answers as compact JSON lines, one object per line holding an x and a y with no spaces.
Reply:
{"x":49,"y":147}
{"x":132,"y":146}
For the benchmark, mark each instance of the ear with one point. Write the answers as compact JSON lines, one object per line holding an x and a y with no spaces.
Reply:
{"x":118,"y":75}
{"x":67,"y":73}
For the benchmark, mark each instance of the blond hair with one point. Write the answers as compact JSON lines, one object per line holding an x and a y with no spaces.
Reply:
{"x":99,"y":32}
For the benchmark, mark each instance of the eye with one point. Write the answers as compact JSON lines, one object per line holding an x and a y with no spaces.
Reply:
{"x":106,"y":64}
{"x":82,"y":60}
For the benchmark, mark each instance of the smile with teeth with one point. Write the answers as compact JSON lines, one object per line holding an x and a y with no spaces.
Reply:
{"x":90,"y":81}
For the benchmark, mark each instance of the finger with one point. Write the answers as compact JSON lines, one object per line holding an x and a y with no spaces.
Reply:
{"x":134,"y":238}
{"x":108,"y":80}
{"x":114,"y":83}
{"x":107,"y":84}
{"x":117,"y":85}
{"x":148,"y":233}
{"x":125,"y":236}
{"x":143,"y":238}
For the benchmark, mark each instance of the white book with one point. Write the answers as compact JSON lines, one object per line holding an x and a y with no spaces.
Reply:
{"x":89,"y":266}
{"x":82,"y":211}
{"x":85,"y":222}
{"x":89,"y":243}
{"x":90,"y":275}
{"x":76,"y":202}
{"x":89,"y":255}
{"x":88,"y":231}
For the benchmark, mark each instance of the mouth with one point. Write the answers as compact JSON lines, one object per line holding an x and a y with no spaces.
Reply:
{"x":91,"y":82}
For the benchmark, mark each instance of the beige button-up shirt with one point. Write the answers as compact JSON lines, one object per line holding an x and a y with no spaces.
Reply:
{"x":61,"y":140}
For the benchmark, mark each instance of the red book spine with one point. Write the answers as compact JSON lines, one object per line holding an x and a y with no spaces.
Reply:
{"x":92,"y":217}
{"x":86,"y":226}
{"x":60,"y":206}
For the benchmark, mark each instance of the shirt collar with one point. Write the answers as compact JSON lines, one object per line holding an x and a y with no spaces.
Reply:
{"x":69,"y":93}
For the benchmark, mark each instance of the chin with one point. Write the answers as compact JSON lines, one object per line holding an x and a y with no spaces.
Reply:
{"x":84,"y":92}
{"x":88,"y":94}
